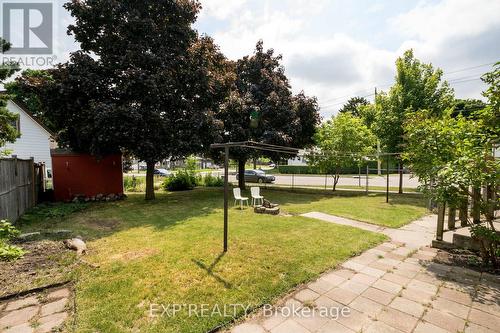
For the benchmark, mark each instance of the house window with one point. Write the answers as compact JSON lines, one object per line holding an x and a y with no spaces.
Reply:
{"x":16,"y":124}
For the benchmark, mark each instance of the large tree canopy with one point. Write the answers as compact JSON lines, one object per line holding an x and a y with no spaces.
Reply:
{"x":417,"y":86}
{"x":354,"y":105}
{"x":143,"y":81}
{"x":261,"y":108}
{"x":8,"y":133}
{"x":29,"y":89}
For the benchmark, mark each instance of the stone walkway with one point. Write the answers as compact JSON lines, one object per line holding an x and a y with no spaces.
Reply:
{"x":38,"y":313}
{"x":394,"y":287}
{"x":419,"y":233}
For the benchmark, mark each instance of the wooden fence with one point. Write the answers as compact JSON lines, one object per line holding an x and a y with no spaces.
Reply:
{"x":18,"y":187}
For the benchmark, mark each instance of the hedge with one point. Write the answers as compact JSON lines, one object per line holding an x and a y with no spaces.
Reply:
{"x":308,"y":170}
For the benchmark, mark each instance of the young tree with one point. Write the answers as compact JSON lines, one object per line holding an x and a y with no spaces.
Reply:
{"x":8,"y":133}
{"x":143,"y":82}
{"x":342,"y":141}
{"x":353,"y":105}
{"x":452,"y":155}
{"x":418,"y":86}
{"x":261,"y":108}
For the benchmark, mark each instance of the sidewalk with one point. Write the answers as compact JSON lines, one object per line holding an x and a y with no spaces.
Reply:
{"x":391,"y":288}
{"x":419,"y":233}
{"x":39,"y":312}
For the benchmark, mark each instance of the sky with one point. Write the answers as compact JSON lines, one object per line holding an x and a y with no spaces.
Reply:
{"x":335,"y":50}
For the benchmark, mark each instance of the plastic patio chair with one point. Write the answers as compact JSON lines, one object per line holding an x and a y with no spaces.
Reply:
{"x":238,"y":197}
{"x":256,"y":197}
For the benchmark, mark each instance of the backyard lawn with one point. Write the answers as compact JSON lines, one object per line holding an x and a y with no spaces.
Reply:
{"x":169,"y":252}
{"x":401,"y":209}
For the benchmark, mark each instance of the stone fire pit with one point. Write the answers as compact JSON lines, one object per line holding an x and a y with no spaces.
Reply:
{"x":267,"y":208}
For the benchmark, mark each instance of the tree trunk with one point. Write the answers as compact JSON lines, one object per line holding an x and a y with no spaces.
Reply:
{"x":452,"y":214}
{"x":336,"y":179}
{"x":400,"y":167}
{"x":254,"y":163}
{"x":463,"y":213}
{"x":490,"y":199}
{"x":150,"y":189}
{"x":440,"y":221}
{"x":241,"y":173}
{"x":476,"y":209}
{"x":379,"y":161}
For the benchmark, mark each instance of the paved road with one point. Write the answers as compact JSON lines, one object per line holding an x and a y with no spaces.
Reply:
{"x":319,"y":181}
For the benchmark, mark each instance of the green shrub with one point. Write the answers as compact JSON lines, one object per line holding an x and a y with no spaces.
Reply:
{"x":213,"y":181}
{"x":9,"y":252}
{"x":184,"y":179}
{"x":53,"y":210}
{"x":134,"y":184}
{"x":489,"y":240}
{"x":180,"y":181}
{"x":349,"y":170}
{"x":7,"y":230}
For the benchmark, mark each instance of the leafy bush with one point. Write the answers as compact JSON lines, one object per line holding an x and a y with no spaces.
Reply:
{"x":213,"y":181}
{"x":180,"y":181}
{"x":7,"y":230}
{"x":489,"y":240}
{"x":53,"y":210}
{"x":134,"y":184}
{"x":184,"y":179}
{"x":348,"y":170}
{"x":9,"y":252}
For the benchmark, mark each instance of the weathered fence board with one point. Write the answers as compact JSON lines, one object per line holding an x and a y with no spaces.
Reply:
{"x":17,"y":187}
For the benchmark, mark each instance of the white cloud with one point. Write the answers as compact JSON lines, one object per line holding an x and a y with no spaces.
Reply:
{"x":454,"y":34}
{"x":331,"y":48}
{"x":449,"y":19}
{"x":220,"y":9}
{"x":326,"y":66}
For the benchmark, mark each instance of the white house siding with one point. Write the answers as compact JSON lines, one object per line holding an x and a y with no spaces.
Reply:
{"x":34,"y":140}
{"x":299,"y":160}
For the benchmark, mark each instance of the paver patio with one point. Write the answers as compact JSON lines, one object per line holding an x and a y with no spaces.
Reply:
{"x":394,"y":287}
{"x":37,"y":313}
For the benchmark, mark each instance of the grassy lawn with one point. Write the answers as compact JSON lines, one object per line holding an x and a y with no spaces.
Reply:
{"x":401,"y":209}
{"x":169,"y":251}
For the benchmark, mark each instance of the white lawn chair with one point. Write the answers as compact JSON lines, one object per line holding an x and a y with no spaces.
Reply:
{"x":256,"y":197}
{"x":238,"y":197}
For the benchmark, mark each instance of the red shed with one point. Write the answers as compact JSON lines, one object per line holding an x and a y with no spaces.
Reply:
{"x":77,"y":174}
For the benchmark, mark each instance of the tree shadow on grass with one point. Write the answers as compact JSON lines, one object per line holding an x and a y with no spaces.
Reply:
{"x":100,"y":220}
{"x":210,"y":270}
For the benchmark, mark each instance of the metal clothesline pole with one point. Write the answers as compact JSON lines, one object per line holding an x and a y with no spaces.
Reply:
{"x":250,"y":145}
{"x":387,"y":187}
{"x":226,"y":193}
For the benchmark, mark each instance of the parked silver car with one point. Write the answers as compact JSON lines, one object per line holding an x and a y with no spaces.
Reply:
{"x":257,"y":176}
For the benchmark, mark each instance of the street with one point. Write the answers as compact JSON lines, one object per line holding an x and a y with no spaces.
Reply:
{"x":319,"y":180}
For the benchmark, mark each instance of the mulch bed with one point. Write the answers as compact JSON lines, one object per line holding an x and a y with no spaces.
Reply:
{"x":46,"y":263}
{"x":464,"y":258}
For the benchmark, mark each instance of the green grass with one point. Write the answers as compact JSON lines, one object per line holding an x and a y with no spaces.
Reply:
{"x":169,"y":251}
{"x":401,"y":209}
